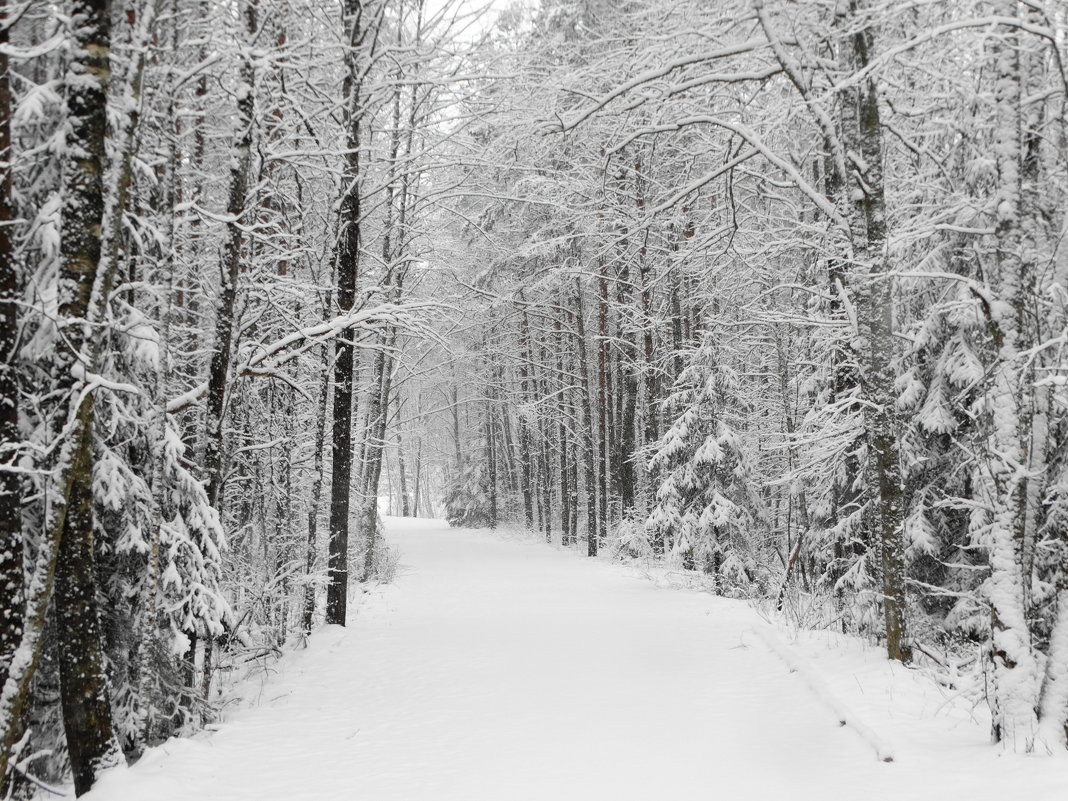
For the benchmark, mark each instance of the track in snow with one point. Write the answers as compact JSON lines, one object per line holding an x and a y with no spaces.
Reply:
{"x":503,"y":670}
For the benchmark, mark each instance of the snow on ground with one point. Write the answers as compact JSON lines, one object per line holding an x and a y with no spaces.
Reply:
{"x":503,"y":670}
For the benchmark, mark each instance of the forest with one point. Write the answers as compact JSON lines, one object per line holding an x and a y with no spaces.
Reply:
{"x":771,"y":293}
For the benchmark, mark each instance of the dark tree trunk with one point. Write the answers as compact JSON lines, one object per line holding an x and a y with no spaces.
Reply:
{"x":491,"y":462}
{"x":12,"y":581}
{"x":402,"y":478}
{"x":91,"y":741}
{"x":524,"y":427}
{"x":589,"y":438}
{"x":563,"y":440}
{"x":545,"y":472}
{"x":603,"y":393}
{"x":219,"y":370}
{"x":347,"y":260}
{"x":864,"y":135}
{"x":89,"y":251}
{"x":418,"y":488}
{"x":627,"y":385}
{"x":11,"y":569}
{"x":648,"y":385}
{"x":230,"y":267}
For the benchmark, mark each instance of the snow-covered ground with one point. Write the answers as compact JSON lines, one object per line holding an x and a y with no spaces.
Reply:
{"x":501,"y":670}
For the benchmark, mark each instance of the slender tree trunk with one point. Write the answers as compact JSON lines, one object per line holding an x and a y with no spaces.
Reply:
{"x":648,"y":385}
{"x":347,"y":260}
{"x":491,"y":462}
{"x":402,"y":478}
{"x":374,"y":449}
{"x":230,"y":266}
{"x":603,"y":394}
{"x":418,"y":488}
{"x":863,"y":134}
{"x":311,"y":552}
{"x":525,"y":444}
{"x":455,"y":409}
{"x":627,"y":384}
{"x":566,"y":510}
{"x":590,"y":437}
{"x":225,"y":323}
{"x":545,"y":485}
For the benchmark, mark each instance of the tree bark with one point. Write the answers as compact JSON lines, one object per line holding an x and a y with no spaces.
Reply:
{"x":219,"y":369}
{"x":491,"y":462}
{"x":566,"y":506}
{"x":402,"y":478}
{"x":603,"y":394}
{"x":91,"y":742}
{"x":12,"y":587}
{"x":525,"y":444}
{"x":1015,"y":667}
{"x":311,"y":551}
{"x":347,"y":260}
{"x":863,"y":134}
{"x":589,"y":440}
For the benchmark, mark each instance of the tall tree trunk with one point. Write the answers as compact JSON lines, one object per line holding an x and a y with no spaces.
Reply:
{"x":91,"y":742}
{"x":545,"y":472}
{"x":1015,"y":668}
{"x":374,"y":449}
{"x":603,"y":393}
{"x":525,"y":444}
{"x":347,"y":260}
{"x":402,"y":478}
{"x":230,"y":266}
{"x":491,"y":462}
{"x":11,"y":546}
{"x":648,"y":385}
{"x":867,"y":216}
{"x":566,"y":510}
{"x":589,"y":440}
{"x":92,"y":227}
{"x":322,"y":405}
{"x":627,"y":390}
{"x":418,"y":488}
{"x":225,"y":323}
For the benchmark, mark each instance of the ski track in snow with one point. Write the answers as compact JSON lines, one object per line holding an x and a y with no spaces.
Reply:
{"x":508,"y":670}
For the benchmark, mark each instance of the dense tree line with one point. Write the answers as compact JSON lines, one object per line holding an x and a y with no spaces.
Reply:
{"x":776,"y":293}
{"x":769,"y":291}
{"x":212,"y":234}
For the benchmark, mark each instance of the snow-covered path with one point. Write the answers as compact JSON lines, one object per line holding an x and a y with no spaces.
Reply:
{"x":505,"y":670}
